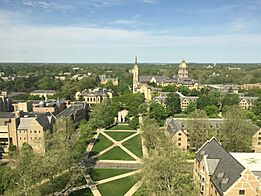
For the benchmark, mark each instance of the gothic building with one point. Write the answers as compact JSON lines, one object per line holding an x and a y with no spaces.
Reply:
{"x":140,"y":83}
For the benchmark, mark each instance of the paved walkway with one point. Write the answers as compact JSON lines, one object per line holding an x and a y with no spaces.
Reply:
{"x":112,"y":163}
{"x":116,"y":164}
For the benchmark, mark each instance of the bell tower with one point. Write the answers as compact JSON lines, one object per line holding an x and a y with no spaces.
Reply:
{"x":135,"y":73}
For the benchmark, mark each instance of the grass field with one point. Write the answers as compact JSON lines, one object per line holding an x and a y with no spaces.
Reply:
{"x":101,"y":143}
{"x":117,"y":187}
{"x":115,"y":154}
{"x":134,"y":145}
{"x":118,"y":135}
{"x":121,"y":127}
{"x":99,"y":174}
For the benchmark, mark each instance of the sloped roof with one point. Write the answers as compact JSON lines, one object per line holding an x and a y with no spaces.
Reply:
{"x":70,"y":111}
{"x":42,"y":119}
{"x":227,"y":171}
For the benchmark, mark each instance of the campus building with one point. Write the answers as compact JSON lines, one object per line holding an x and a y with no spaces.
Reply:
{"x":43,"y":93}
{"x":247,"y":102}
{"x":18,"y":129}
{"x":184,"y":100}
{"x":94,"y":96}
{"x":106,"y":79}
{"x":220,"y":173}
{"x":5,"y":103}
{"x":141,"y":82}
{"x":178,"y":130}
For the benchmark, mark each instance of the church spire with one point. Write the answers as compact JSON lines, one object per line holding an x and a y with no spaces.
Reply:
{"x":136,"y":60}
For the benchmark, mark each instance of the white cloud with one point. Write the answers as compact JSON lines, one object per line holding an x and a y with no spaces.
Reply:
{"x":21,"y":42}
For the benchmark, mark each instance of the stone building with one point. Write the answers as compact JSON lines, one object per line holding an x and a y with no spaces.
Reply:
{"x":94,"y":96}
{"x":177,"y":128}
{"x":43,"y":93}
{"x":220,"y":173}
{"x":17,"y":129}
{"x":141,"y":83}
{"x":247,"y":102}
{"x":105,"y":80}
{"x":5,"y":103}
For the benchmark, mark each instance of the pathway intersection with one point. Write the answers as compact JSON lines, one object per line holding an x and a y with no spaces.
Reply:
{"x":94,"y":162}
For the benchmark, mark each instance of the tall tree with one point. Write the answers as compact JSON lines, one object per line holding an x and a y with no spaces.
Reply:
{"x":198,"y":126}
{"x":236,"y":132}
{"x":173,"y":103}
{"x":166,"y":171}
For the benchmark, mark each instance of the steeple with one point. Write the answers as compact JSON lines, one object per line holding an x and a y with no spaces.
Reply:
{"x":135,"y":72}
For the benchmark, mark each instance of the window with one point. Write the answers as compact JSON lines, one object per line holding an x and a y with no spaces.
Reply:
{"x":259,"y":138}
{"x":30,"y":131}
{"x":39,"y":131}
{"x":20,"y":138}
{"x":35,"y":131}
{"x":24,"y":138}
{"x":259,"y":143}
{"x":179,"y":133}
{"x":179,"y":139}
{"x":259,"y":133}
{"x":179,"y":144}
{"x":241,"y":192}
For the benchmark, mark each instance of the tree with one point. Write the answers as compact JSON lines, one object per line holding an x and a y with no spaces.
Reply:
{"x":236,"y":132}
{"x":173,"y":103}
{"x":198,"y":127}
{"x":256,"y":110}
{"x":134,"y":122}
{"x":158,"y":111}
{"x":192,"y":106}
{"x":230,"y":100}
{"x":212,"y":110}
{"x":166,"y":171}
{"x":102,"y":115}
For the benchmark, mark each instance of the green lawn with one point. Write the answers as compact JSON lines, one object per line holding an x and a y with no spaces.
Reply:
{"x":84,"y":192}
{"x":121,"y":127}
{"x":118,"y":136}
{"x":117,"y":187}
{"x":99,"y":174}
{"x":101,"y":143}
{"x":134,"y":145}
{"x":115,"y":154}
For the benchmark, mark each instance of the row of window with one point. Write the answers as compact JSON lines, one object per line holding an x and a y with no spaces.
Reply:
{"x":23,"y":131}
{"x":35,"y":138}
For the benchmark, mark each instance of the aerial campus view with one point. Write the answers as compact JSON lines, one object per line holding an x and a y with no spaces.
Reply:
{"x":130,"y":97}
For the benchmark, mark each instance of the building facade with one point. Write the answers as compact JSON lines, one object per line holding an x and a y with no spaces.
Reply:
{"x":220,"y":173}
{"x":178,"y":130}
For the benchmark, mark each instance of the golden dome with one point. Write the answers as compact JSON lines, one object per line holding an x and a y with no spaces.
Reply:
{"x":183,"y":64}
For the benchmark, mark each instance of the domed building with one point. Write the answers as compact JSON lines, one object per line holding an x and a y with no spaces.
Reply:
{"x":183,"y":70}
{"x":142,"y":83}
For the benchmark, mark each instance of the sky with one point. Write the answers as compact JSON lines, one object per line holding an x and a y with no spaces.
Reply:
{"x":114,"y":31}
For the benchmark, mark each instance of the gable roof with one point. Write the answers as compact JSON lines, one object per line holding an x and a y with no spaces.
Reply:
{"x":227,"y":171}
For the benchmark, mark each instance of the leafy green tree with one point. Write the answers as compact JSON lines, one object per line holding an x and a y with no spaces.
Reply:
{"x":236,"y":132}
{"x":184,"y":90}
{"x":212,"y":110}
{"x":169,"y":88}
{"x":102,"y":115}
{"x":166,"y":171}
{"x":158,"y":111}
{"x":173,"y":103}
{"x":192,"y":106}
{"x":198,"y":126}
{"x":230,"y":100}
{"x":134,"y":122}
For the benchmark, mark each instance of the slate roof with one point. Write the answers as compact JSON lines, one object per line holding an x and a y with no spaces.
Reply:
{"x":7,"y":115}
{"x":70,"y":111}
{"x":42,"y":119}
{"x":227,"y":171}
{"x":172,"y":126}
